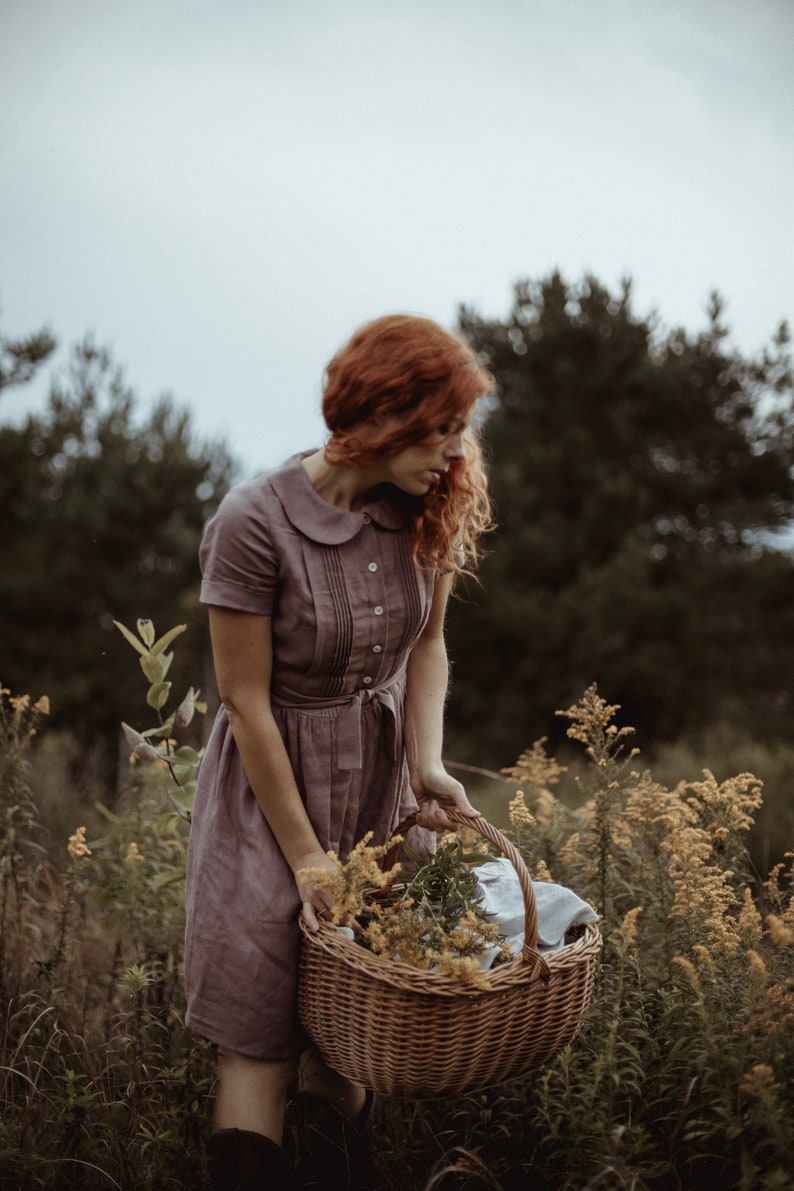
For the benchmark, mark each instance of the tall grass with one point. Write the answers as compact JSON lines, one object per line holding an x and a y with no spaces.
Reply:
{"x":682,"y":1076}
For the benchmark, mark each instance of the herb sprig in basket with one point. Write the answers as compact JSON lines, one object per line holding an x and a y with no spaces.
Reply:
{"x":431,"y":919}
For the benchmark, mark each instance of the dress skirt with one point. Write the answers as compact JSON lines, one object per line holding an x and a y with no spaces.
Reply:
{"x":243,"y":937}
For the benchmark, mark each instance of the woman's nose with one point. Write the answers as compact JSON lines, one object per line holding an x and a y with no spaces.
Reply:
{"x":453,"y":447}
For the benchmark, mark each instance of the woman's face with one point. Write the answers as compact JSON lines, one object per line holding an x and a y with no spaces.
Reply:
{"x":419,"y":468}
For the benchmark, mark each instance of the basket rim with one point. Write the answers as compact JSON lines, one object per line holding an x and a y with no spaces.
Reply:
{"x":502,"y":977}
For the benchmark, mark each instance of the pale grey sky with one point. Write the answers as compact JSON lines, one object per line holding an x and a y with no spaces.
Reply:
{"x":223,"y":189}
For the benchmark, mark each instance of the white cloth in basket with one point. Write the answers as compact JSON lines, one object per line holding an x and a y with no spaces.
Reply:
{"x":500,"y":895}
{"x":499,"y":892}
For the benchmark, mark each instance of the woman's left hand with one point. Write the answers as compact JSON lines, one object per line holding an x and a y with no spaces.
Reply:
{"x":437,"y":792}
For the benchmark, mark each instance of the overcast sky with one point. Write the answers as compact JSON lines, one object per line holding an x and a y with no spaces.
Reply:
{"x":222,"y":190}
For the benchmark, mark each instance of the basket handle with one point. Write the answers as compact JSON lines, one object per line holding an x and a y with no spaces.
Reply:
{"x":529,"y":952}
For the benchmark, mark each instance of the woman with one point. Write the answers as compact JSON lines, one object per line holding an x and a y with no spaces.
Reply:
{"x":327,"y":582}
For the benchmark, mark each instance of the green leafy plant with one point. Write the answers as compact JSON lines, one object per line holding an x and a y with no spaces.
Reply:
{"x":156,"y":744}
{"x":100,"y":1083}
{"x":680,"y":1077}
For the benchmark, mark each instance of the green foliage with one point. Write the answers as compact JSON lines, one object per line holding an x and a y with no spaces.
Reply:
{"x":681,"y":1076}
{"x":639,"y":477}
{"x":21,"y":849}
{"x":444,"y":885}
{"x":103,"y":514}
{"x":101,"y":1084}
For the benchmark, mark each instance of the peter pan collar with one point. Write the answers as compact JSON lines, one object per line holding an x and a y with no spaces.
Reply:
{"x":318,"y":520}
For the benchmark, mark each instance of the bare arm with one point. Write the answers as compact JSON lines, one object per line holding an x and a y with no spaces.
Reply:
{"x":243,"y":654}
{"x":428,"y":676}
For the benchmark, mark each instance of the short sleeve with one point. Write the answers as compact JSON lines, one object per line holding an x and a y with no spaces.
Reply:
{"x":239,"y":565}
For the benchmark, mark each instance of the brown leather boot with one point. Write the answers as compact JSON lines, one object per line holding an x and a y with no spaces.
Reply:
{"x":333,"y":1153}
{"x":243,"y":1161}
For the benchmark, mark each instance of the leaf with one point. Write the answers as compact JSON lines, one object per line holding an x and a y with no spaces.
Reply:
{"x":157,"y":695}
{"x":186,"y":709}
{"x":187,"y":755}
{"x":133,"y":738}
{"x":167,"y":638}
{"x":133,"y":640}
{"x":183,"y":799}
{"x":146,"y":632}
{"x":147,"y":752}
{"x":167,"y":825}
{"x":153,"y":667}
{"x":168,"y":877}
{"x":106,"y":814}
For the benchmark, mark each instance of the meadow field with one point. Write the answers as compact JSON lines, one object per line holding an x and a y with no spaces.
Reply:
{"x":682,"y":1075}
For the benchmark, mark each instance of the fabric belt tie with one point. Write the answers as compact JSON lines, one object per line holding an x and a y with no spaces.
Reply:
{"x":349,"y":753}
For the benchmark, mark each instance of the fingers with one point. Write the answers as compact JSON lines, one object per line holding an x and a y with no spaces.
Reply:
{"x":313,"y":915}
{"x":433,"y":816}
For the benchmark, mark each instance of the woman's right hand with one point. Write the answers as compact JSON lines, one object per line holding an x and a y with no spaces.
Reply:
{"x":316,"y":900}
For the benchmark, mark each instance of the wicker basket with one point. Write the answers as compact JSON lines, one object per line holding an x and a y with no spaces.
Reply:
{"x":403,"y":1031}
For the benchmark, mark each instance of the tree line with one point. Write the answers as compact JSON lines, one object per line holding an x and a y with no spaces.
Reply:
{"x":102,"y":516}
{"x":642,"y":480}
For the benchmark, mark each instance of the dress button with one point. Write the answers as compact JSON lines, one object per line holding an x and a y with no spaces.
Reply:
{"x":377,"y":648}
{"x":366,"y":519}
{"x":378,"y":610}
{"x":372,"y":566}
{"x":366,"y":679}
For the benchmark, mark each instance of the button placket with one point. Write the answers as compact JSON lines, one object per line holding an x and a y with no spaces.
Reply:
{"x":375,"y":583}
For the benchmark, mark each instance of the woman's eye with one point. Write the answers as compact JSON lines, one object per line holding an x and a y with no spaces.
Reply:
{"x":445,"y":429}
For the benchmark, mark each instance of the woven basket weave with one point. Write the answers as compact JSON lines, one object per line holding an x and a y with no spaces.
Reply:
{"x":403,"y":1031}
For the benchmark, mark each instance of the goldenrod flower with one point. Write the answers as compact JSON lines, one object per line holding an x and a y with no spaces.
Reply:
{"x":757,"y":965}
{"x":749,"y":921}
{"x":689,"y":970}
{"x":520,"y":814}
{"x":77,"y":848}
{"x":628,"y":927}
{"x":541,"y":872}
{"x":780,"y":934}
{"x":759,"y":1082}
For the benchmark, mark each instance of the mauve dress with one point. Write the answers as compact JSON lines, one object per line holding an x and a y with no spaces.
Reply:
{"x":347,"y":604}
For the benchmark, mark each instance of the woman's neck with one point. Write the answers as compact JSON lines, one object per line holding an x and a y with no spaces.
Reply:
{"x":340,"y":484}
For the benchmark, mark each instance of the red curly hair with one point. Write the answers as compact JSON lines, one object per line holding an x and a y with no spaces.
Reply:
{"x":406,"y":367}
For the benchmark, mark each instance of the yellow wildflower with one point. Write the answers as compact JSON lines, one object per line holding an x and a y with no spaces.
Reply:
{"x":42,"y":705}
{"x":77,"y":848}
{"x":704,"y":956}
{"x":628,"y":927}
{"x":351,"y":883}
{"x":134,"y":855}
{"x":757,"y":965}
{"x":571,"y":852}
{"x":749,"y":921}
{"x":689,"y":970}
{"x":780,"y":934}
{"x":535,"y":769}
{"x":464,"y":968}
{"x":520,"y":814}
{"x":541,"y":872}
{"x":758,"y":1082}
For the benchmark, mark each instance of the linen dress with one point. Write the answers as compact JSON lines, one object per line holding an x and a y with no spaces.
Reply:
{"x":347,"y":604}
